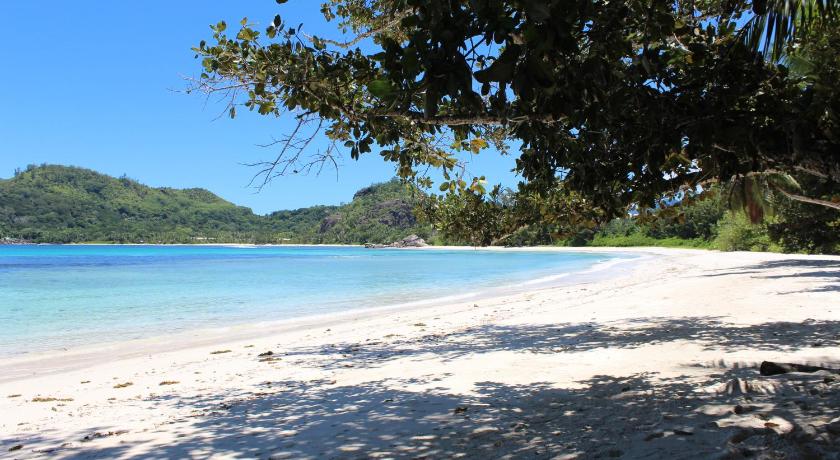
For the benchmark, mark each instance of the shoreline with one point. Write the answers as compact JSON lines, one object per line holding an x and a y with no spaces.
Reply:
{"x":17,"y":366}
{"x":657,"y":360}
{"x":427,"y":247}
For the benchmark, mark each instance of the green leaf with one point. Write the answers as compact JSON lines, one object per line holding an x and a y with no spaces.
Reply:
{"x":538,"y":11}
{"x":477,"y":144}
{"x":501,"y":70}
{"x":381,"y":88}
{"x":266,"y":108}
{"x":783,"y":181}
{"x":247,"y":34}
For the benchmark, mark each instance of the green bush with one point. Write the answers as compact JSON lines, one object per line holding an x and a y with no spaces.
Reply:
{"x":697,"y":219}
{"x":620,"y":227}
{"x":640,"y":239}
{"x":581,"y":238}
{"x":737,"y":233}
{"x":530,"y":235}
{"x":806,"y":228}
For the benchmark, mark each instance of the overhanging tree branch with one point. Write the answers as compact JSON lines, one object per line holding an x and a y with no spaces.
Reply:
{"x":460,"y":120}
{"x":358,"y":39}
{"x":805,"y":199}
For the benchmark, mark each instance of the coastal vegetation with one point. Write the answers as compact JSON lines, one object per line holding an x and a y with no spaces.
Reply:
{"x":60,"y":204}
{"x":609,"y":109}
{"x":701,"y":220}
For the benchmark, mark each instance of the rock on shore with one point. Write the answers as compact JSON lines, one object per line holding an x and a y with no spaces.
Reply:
{"x":13,"y":241}
{"x":411,"y":241}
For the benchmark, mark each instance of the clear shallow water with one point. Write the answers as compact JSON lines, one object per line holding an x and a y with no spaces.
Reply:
{"x":62,"y":296}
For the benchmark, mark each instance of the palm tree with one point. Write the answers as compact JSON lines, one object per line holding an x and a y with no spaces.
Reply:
{"x":758,"y":194}
{"x":776,"y":24}
{"x":772,"y":31}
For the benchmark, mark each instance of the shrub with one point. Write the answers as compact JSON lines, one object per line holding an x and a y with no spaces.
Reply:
{"x":691,"y":220}
{"x":620,"y":227}
{"x":640,"y":239}
{"x":530,"y":235}
{"x":806,"y":228}
{"x":581,"y":238}
{"x":736,"y":233}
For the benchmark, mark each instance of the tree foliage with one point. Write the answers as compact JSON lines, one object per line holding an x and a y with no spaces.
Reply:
{"x":697,"y":220}
{"x":623,"y":102}
{"x":806,"y":227}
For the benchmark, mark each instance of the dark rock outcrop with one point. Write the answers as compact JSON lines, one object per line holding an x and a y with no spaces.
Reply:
{"x":13,"y":241}
{"x":329,"y":222}
{"x":411,"y":241}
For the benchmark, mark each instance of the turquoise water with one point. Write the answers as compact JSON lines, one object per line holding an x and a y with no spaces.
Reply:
{"x":62,"y":296}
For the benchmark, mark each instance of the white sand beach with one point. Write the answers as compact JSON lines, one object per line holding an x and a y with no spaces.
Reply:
{"x":657,"y":360}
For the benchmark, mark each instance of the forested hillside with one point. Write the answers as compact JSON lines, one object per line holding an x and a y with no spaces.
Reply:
{"x":60,"y":204}
{"x":381,"y":213}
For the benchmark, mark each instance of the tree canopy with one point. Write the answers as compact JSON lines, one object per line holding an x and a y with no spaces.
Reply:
{"x":621,"y":101}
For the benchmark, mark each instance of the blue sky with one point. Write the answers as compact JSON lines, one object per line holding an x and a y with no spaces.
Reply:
{"x":90,"y":83}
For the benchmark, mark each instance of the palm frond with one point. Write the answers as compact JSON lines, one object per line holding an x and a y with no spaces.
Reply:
{"x":756,"y":194}
{"x":782,"y":181}
{"x":777,"y":23}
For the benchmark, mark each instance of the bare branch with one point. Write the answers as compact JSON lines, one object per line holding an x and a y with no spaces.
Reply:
{"x":805,"y":199}
{"x":293,"y":146}
{"x":387,"y":25}
{"x":460,"y":120}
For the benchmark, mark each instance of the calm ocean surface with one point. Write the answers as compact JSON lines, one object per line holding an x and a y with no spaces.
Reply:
{"x":62,"y":296}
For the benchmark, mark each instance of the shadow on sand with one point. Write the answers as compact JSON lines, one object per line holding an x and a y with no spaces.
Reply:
{"x":606,"y":416}
{"x":826,"y":271}
{"x":711,"y":333}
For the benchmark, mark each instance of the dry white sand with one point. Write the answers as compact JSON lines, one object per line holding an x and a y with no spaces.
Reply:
{"x":657,"y":360}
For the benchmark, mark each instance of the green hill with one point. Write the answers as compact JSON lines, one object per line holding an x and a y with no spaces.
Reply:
{"x":61,"y":204}
{"x":381,"y":213}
